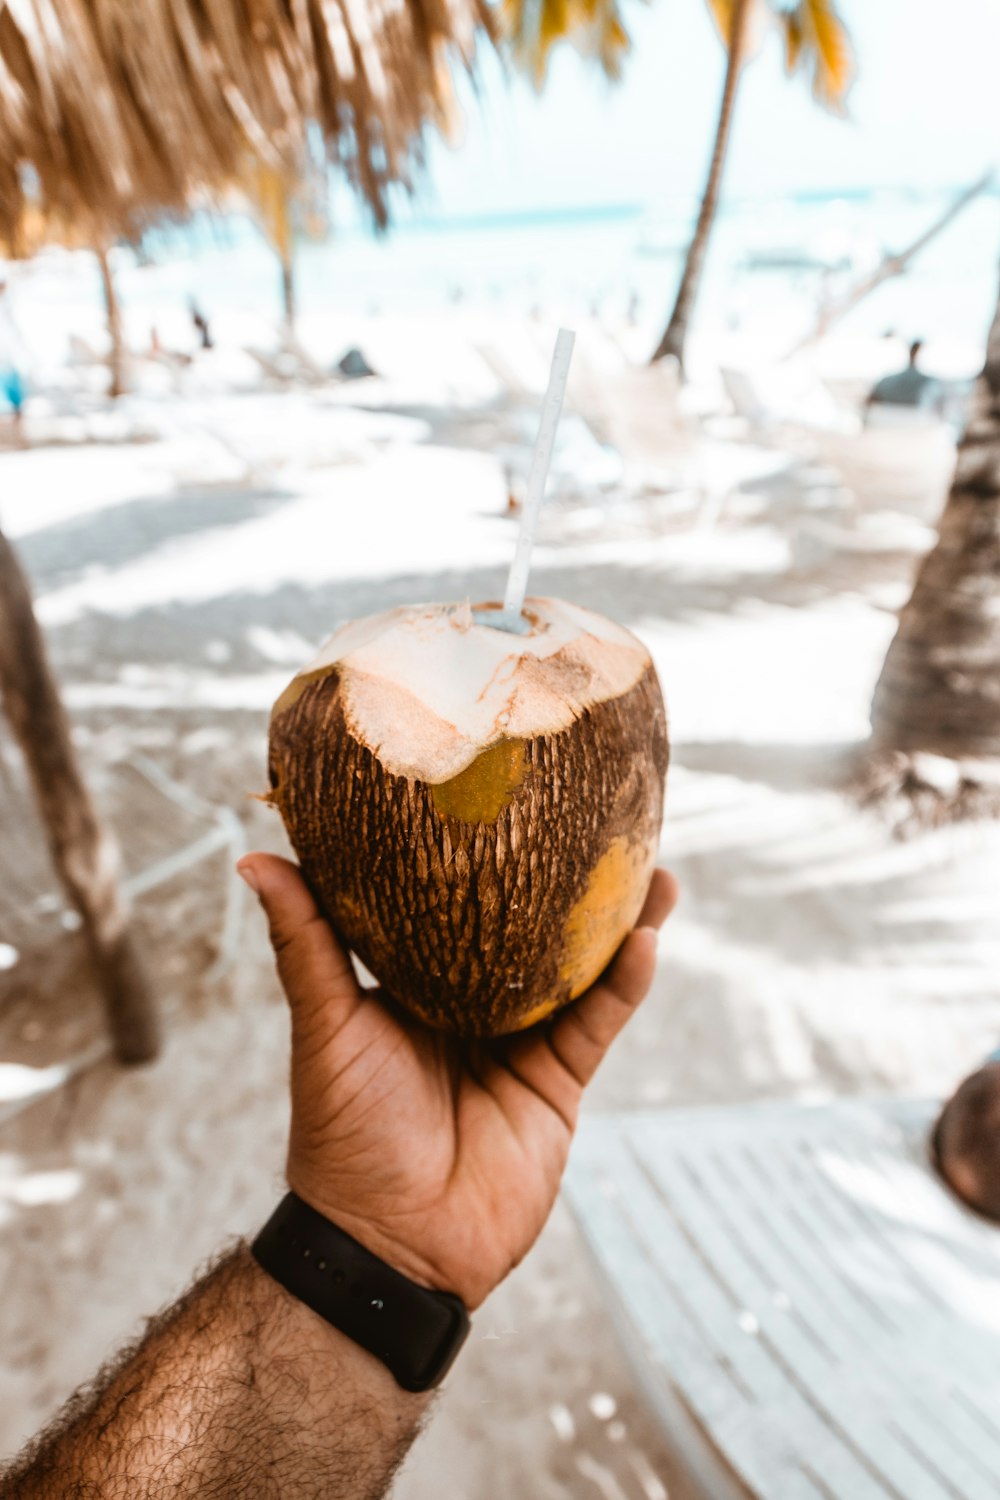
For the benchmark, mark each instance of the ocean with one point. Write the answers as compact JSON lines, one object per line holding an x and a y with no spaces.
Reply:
{"x":772,"y":264}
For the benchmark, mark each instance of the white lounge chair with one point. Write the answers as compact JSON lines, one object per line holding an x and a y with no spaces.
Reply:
{"x":637,"y":409}
{"x":810,"y":1313}
{"x":518,"y":363}
{"x":900,"y":467}
{"x":776,"y":398}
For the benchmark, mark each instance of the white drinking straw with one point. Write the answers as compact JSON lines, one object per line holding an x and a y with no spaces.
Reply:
{"x":517,"y":579}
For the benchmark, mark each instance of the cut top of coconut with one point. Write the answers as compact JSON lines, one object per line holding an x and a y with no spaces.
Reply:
{"x":427,"y":688}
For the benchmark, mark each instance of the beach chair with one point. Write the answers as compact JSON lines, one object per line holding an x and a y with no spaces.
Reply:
{"x":636,"y":409}
{"x":747,"y":401}
{"x":810,"y":1313}
{"x":906,"y":466}
{"x":775,"y":399}
{"x":518,"y":363}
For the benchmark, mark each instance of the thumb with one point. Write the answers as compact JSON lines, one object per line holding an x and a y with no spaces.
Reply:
{"x":315,"y":971}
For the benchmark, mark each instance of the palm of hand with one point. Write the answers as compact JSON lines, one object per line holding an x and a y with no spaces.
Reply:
{"x":443,"y":1157}
{"x":431,"y":1152}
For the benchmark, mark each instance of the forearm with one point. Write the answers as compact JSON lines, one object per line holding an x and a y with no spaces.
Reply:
{"x":238,"y":1391}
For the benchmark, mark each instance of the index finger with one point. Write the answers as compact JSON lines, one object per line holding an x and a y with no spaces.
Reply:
{"x":315,"y":970}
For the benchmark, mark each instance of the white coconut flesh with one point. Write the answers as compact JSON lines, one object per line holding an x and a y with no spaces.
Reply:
{"x":427,"y":688}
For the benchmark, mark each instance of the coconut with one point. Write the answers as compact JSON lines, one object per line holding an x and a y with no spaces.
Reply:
{"x":477,"y":811}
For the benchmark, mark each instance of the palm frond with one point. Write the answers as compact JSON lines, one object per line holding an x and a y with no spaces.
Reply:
{"x":595,"y":28}
{"x":721,"y":12}
{"x":824,"y":46}
{"x":790,"y":25}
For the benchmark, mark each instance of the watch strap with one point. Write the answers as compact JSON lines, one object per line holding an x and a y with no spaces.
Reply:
{"x":415,"y":1332}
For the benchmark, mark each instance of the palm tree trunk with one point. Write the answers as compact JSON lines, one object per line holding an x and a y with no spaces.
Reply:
{"x":115,"y":327}
{"x":939,"y":691}
{"x":83,"y":850}
{"x":675,"y":335}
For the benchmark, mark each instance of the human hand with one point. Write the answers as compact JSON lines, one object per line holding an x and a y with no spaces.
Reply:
{"x":442,"y":1156}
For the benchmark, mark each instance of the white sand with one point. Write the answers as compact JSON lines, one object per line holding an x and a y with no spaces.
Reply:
{"x":812,"y":953}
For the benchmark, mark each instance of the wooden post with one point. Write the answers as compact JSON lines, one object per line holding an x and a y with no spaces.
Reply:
{"x":83,"y":851}
{"x":116,"y":330}
{"x":288,"y":299}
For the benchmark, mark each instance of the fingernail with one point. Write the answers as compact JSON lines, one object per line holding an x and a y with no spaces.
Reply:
{"x":249,"y":874}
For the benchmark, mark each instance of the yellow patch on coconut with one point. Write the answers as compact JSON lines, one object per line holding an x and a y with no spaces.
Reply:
{"x":538,"y":1013}
{"x":480,"y":793}
{"x":605,"y":912}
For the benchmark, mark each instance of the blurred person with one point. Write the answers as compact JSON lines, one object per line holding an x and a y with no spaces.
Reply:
{"x":424,"y":1165}
{"x":205,"y":340}
{"x":965,"y":1144}
{"x":908,"y":388}
{"x":13,"y":386}
{"x":353,"y":365}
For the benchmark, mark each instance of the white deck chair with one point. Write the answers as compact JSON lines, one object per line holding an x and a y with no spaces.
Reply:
{"x":902,"y":467}
{"x":518,"y":365}
{"x":774,"y":398}
{"x":636,"y":409}
{"x":746,"y":399}
{"x":810,"y":1313}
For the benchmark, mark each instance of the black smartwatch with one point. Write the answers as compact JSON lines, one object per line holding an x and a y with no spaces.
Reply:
{"x":415,"y":1332}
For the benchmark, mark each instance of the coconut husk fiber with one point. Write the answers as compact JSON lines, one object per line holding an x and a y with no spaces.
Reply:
{"x":114,"y":113}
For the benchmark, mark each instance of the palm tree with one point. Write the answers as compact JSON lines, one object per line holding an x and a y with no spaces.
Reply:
{"x":735,"y":37}
{"x":814,"y":36}
{"x":939,"y":691}
{"x":815,"y":40}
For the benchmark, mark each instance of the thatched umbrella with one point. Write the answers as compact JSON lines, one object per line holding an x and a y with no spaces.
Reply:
{"x":115,"y":112}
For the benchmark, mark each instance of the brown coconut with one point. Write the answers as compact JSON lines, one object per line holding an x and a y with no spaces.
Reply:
{"x":478,"y":812}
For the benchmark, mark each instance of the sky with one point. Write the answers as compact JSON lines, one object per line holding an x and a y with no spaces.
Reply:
{"x":922,"y":113}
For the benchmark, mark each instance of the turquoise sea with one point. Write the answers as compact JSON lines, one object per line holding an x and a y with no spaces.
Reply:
{"x":772,"y":262}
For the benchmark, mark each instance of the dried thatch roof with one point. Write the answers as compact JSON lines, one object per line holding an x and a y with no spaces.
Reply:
{"x":113,"y":112}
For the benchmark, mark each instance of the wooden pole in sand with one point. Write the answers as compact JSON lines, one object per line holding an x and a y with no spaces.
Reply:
{"x":83,"y":851}
{"x":116,"y":328}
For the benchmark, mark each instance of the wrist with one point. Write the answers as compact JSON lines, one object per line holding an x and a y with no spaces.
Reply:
{"x":395,"y":1246}
{"x":394,"y":1253}
{"x":415,"y":1331}
{"x":292,"y":1336}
